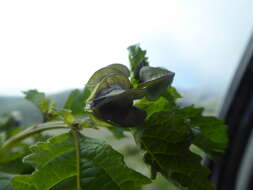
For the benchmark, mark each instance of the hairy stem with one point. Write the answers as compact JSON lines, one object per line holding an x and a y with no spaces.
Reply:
{"x":29,"y":132}
{"x":77,"y":145}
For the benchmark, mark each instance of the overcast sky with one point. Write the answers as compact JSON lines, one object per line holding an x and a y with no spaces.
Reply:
{"x":56,"y":45}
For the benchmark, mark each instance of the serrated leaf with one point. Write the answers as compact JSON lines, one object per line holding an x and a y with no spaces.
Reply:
{"x":211,"y":136}
{"x":166,"y":138}
{"x":210,"y":133}
{"x":166,"y":102}
{"x":151,"y":107}
{"x":214,"y":129}
{"x":46,"y":107}
{"x":101,"y":167}
{"x":170,"y":130}
{"x":5,"y":181}
{"x":76,"y":101}
{"x":54,"y":161}
{"x":11,"y":161}
{"x":167,"y":125}
{"x":39,"y":99}
{"x":137,"y":58}
{"x":172,"y":95}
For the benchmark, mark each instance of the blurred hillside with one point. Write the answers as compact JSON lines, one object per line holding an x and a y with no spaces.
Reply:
{"x":28,"y":111}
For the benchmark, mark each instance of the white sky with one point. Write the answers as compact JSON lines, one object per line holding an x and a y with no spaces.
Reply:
{"x":56,"y":45}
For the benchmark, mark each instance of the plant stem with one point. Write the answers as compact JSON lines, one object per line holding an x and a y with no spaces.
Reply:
{"x":29,"y":132}
{"x":77,"y":145}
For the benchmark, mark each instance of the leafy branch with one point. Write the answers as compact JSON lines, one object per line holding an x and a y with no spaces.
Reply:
{"x":141,"y":99}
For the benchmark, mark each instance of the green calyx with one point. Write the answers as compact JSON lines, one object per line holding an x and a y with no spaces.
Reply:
{"x":112,"y":96}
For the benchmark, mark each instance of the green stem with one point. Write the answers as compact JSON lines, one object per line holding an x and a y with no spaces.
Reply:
{"x":29,"y":132}
{"x":77,"y":145}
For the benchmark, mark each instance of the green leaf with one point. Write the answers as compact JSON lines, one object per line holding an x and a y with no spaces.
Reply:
{"x":2,"y":138}
{"x":39,"y":99}
{"x":137,"y":58}
{"x":151,"y":107}
{"x":166,"y":138}
{"x":69,"y":118}
{"x":5,"y":181}
{"x":55,"y":162}
{"x":171,"y":94}
{"x":76,"y":101}
{"x":210,"y":133}
{"x":46,"y":107}
{"x":166,"y":102}
{"x":168,"y":133}
{"x":211,"y":136}
{"x":16,"y":165}
{"x":214,"y":129}
{"x":12,"y":160}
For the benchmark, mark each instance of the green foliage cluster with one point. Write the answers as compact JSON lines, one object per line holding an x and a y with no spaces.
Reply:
{"x":141,"y":101}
